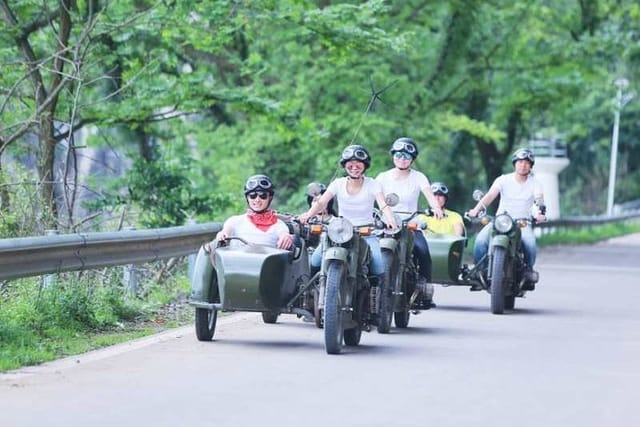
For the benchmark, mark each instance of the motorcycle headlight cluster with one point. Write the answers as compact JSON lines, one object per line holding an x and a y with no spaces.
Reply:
{"x":503,"y":223}
{"x":340,"y":230}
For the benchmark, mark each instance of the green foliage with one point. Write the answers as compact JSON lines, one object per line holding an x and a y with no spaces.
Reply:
{"x":589,"y":235}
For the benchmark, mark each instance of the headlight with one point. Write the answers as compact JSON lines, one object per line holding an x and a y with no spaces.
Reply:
{"x":340,"y":230}
{"x":503,"y":223}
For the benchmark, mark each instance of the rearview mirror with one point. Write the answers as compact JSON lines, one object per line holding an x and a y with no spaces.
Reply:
{"x":314,"y":189}
{"x":477,"y":195}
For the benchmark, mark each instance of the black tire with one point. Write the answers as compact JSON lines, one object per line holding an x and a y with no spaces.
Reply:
{"x":333,"y":321}
{"x":352,"y":335}
{"x":509,"y":302}
{"x":205,"y":320}
{"x":269,"y":317}
{"x":205,"y":323}
{"x":401,"y":318}
{"x":317,"y":311}
{"x":385,"y":303}
{"x":497,"y":275}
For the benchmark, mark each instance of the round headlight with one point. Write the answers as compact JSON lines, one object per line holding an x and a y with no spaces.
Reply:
{"x":340,"y":230}
{"x":503,"y":223}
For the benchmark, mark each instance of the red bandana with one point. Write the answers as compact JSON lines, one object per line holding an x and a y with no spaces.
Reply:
{"x":262,"y":220}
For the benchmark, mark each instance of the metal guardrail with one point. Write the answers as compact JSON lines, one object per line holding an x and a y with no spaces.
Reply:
{"x":33,"y":256}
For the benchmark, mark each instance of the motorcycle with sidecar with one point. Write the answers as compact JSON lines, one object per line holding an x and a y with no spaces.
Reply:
{"x":502,"y":272}
{"x":241,"y":276}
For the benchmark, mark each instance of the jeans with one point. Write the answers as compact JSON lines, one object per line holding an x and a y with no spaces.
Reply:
{"x":376,"y":265}
{"x":422,"y":255}
{"x":528,"y":244}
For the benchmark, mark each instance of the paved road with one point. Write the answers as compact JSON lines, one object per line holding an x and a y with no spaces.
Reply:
{"x":568,"y":356}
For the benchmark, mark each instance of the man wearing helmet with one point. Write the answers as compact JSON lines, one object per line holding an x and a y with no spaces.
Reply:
{"x":518,"y":191}
{"x":356,"y":195}
{"x":451,"y":222}
{"x":408,"y":184}
{"x":260,"y":225}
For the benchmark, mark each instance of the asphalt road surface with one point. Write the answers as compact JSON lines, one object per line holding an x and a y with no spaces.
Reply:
{"x":569,"y":355}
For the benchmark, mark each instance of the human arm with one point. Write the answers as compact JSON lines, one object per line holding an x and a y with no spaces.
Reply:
{"x":226,"y":232}
{"x":316,"y":207}
{"x":386,"y":211}
{"x":285,"y":240}
{"x":485,"y":200}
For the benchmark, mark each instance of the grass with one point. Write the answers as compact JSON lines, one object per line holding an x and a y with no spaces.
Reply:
{"x":589,"y":235}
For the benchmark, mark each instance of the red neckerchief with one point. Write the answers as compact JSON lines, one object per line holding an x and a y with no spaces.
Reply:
{"x":262,"y":220}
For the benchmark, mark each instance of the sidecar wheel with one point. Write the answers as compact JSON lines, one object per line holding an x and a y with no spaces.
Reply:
{"x":205,"y":323}
{"x":497,"y":274}
{"x":385,"y":309}
{"x":401,"y":318}
{"x":333,"y":320}
{"x":269,"y":317}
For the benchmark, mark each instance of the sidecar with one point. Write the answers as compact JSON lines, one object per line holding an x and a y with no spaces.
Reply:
{"x":248,"y":277}
{"x":447,"y":252}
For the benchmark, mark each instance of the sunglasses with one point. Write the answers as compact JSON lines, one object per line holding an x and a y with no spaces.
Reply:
{"x":262,"y":194}
{"x":403,"y":146}
{"x":402,"y":155}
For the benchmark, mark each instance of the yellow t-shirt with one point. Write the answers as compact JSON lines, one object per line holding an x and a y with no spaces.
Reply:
{"x":446,"y":225}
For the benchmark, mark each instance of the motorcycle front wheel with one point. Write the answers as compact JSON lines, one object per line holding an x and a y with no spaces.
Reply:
{"x":385,"y":305}
{"x":497,"y":275}
{"x":333,"y":314}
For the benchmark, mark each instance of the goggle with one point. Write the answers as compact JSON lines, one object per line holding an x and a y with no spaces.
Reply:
{"x":404,"y":146}
{"x":357,"y":154}
{"x":524,"y":155}
{"x":402,"y":155}
{"x":262,"y":194}
{"x":262,"y":183}
{"x":439,"y":188}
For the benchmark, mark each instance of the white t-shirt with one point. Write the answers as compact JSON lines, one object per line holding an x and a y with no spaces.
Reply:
{"x":242,"y":227}
{"x":517,"y":198}
{"x":407,"y":189}
{"x":357,"y":208}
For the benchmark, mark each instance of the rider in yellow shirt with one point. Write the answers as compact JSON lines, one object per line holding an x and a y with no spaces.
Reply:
{"x":451,"y":222}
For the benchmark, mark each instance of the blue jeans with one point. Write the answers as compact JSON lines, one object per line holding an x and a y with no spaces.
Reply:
{"x":376,"y":266}
{"x":481,"y":246}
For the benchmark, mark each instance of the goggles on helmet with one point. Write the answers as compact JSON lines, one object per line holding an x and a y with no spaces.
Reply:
{"x":261,"y":183}
{"x":439,"y":188}
{"x":354,"y":154}
{"x":523,"y":155}
{"x":404,"y":146}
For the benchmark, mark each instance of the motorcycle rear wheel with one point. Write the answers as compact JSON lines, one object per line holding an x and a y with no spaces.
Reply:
{"x":497,"y":275}
{"x":269,"y":317}
{"x":352,"y":335}
{"x":333,"y":314}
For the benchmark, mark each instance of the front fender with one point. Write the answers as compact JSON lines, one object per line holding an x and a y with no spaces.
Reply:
{"x":203,"y":277}
{"x":501,"y":240}
{"x":336,"y":252}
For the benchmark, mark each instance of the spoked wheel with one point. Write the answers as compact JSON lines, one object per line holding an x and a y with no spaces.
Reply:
{"x":497,"y":274}
{"x":385,"y":303}
{"x":269,"y":317}
{"x":333,"y":314}
{"x":352,"y":335}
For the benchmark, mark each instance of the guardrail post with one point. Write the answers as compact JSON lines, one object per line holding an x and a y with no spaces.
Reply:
{"x":130,"y":276}
{"x":49,"y":280}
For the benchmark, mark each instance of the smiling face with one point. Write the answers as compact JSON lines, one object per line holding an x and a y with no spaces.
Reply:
{"x":258,"y":201}
{"x":354,"y":168}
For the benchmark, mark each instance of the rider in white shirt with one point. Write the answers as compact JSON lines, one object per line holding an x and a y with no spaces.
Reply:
{"x":518,"y":192}
{"x":260,"y":225}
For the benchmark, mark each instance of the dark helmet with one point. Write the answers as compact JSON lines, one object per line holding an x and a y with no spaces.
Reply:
{"x":523,"y":154}
{"x":258,"y":182}
{"x":405,"y":145}
{"x":440,"y":188}
{"x":355,"y":152}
